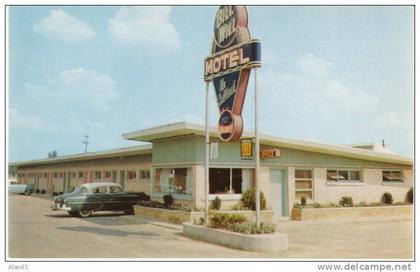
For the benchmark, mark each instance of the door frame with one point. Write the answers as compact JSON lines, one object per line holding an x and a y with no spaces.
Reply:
{"x":284,"y":190}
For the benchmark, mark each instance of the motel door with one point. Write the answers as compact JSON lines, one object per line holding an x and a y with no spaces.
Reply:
{"x":278,"y":192}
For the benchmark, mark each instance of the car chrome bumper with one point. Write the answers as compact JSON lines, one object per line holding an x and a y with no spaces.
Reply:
{"x":58,"y":207}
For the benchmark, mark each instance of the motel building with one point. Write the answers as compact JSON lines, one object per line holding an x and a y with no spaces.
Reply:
{"x":173,"y":161}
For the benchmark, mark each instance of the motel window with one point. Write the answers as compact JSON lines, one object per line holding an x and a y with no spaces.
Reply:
{"x":45,"y":175}
{"x":343,"y":175}
{"x":73,"y":174}
{"x":175,"y":180}
{"x":98,"y":175}
{"x":131,"y":175}
{"x":107,"y":174}
{"x":392,"y":176}
{"x":61,"y":175}
{"x":303,"y":184}
{"x":144,"y":174}
{"x":55,"y":174}
{"x":80,"y":174}
{"x":229,"y":180}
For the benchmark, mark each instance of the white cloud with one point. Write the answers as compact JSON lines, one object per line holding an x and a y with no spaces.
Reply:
{"x":312,"y":89}
{"x":314,"y":67}
{"x":61,"y":26}
{"x":76,"y":88}
{"x":149,"y":26}
{"x":19,"y":120}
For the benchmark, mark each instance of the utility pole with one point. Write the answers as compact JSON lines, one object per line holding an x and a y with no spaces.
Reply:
{"x":85,"y":142}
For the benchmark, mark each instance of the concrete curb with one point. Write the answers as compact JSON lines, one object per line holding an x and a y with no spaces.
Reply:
{"x":273,"y":243}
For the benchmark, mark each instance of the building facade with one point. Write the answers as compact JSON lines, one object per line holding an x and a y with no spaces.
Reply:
{"x":173,"y":162}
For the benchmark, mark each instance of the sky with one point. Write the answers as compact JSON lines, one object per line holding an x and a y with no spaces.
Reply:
{"x":339,"y":75}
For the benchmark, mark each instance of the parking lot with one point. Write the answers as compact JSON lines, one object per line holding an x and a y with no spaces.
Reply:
{"x":34,"y":231}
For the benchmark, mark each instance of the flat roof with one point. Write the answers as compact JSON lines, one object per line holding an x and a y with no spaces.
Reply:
{"x":185,"y":128}
{"x":125,"y":151}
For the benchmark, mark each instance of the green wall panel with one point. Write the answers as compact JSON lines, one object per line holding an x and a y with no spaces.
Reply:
{"x":190,"y":149}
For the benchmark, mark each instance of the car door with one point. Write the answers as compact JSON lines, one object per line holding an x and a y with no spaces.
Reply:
{"x":102,"y":197}
{"x":121,"y":200}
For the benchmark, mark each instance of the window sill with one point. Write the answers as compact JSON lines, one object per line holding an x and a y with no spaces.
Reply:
{"x":344,"y":183}
{"x":226,"y":196}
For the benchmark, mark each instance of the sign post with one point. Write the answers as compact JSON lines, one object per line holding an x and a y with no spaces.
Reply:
{"x":257,"y":155}
{"x":207,"y":159}
{"x":234,"y":53}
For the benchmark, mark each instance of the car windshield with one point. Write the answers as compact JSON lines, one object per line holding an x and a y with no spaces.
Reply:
{"x":80,"y":189}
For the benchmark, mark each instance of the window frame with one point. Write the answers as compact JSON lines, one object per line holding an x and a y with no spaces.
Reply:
{"x":129,"y":175}
{"x":231,"y":181}
{"x":305,"y":189}
{"x":348,"y":180}
{"x":157,"y":185}
{"x":95,"y":176}
{"x":392,"y":171}
{"x":142,"y":172}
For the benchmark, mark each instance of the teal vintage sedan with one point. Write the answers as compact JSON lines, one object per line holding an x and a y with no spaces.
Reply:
{"x":97,"y":196}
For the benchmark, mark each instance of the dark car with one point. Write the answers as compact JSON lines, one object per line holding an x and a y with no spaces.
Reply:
{"x":97,"y":196}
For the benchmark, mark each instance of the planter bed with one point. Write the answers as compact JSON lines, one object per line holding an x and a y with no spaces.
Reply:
{"x":273,"y":243}
{"x":350,"y":212}
{"x":179,"y":217}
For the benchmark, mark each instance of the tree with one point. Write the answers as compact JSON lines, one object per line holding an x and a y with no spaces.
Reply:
{"x":52,"y":154}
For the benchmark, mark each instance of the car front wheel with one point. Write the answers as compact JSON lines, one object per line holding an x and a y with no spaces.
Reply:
{"x":85,"y":213}
{"x":28,"y":193}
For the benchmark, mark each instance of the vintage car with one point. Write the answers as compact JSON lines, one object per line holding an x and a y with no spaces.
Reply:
{"x":20,"y":188}
{"x":97,"y":196}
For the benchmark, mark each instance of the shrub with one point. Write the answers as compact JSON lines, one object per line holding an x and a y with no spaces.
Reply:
{"x":223,"y":220}
{"x":303,"y":201}
{"x":37,"y":191}
{"x":251,"y":228}
{"x":346,"y":201}
{"x":168,"y":200}
{"x":387,"y":198}
{"x":317,"y":205}
{"x":43,"y":191}
{"x":216,"y":203}
{"x":237,"y":207}
{"x":248,"y":199}
{"x":182,"y":207}
{"x":410,"y":196}
{"x":151,"y":204}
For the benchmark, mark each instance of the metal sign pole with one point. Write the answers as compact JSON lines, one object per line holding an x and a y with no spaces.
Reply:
{"x":257,"y":155}
{"x":207,"y":159}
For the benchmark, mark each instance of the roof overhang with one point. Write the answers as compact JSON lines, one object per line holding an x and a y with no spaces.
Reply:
{"x":184,"y":128}
{"x":120,"y":152}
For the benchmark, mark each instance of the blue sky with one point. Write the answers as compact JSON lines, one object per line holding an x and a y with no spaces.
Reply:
{"x":339,"y":75}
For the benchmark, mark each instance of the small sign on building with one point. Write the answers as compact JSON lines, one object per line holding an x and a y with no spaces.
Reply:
{"x":270,"y":153}
{"x":246,"y":149}
{"x":214,"y":151}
